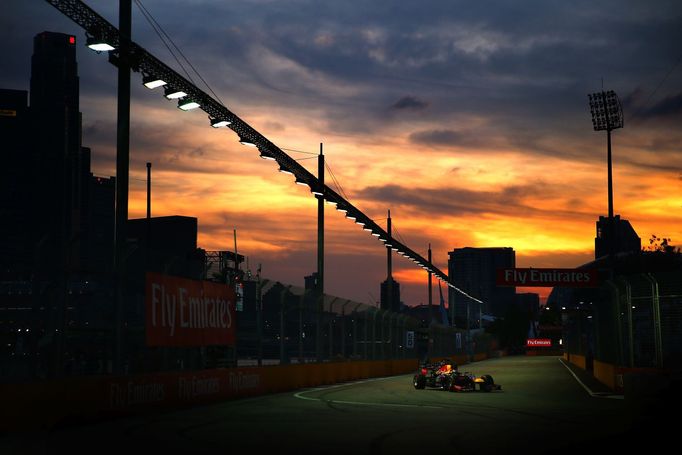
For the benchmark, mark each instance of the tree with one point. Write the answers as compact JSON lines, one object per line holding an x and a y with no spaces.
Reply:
{"x":661,"y":245}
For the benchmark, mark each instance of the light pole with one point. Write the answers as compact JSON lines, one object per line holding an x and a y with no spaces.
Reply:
{"x":430,"y":292}
{"x":389,"y":266}
{"x":607,"y":114}
{"x":319,"y":297}
{"x":122,"y":165}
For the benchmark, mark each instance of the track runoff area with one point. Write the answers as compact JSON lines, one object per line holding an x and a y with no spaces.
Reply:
{"x":540,"y":409}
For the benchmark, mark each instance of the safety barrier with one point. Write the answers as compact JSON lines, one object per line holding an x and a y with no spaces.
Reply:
{"x":578,"y":360}
{"x":46,"y":404}
{"x":38,"y":405}
{"x":606,"y":373}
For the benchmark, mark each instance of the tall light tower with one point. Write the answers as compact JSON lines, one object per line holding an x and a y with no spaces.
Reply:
{"x":319,"y":291}
{"x":122,"y":177}
{"x":607,"y":114}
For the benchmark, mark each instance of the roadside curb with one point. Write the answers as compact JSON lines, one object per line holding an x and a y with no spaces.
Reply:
{"x":610,"y":395}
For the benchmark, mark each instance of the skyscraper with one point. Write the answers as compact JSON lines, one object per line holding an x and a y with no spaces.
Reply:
{"x":392,"y":304}
{"x":59,"y":170}
{"x":473,"y":271}
{"x":625,"y":238}
{"x":15,"y":200}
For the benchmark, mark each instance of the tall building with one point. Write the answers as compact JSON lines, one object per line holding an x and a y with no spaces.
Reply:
{"x":625,"y":239}
{"x":98,"y":224}
{"x":60,"y":167}
{"x":473,"y":271}
{"x":165,"y":244}
{"x":56,"y":229}
{"x":15,"y":186}
{"x":392,"y":303}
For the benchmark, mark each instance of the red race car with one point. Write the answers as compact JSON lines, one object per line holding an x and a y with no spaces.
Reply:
{"x":444,"y":375}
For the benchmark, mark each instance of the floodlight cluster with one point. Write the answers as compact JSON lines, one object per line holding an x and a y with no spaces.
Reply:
{"x":607,"y":110}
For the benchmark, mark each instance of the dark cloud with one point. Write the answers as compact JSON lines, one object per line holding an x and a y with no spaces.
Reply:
{"x":667,"y":108}
{"x":410,"y":103}
{"x":454,"y":201}
{"x":439,"y":138}
{"x":555,"y":259}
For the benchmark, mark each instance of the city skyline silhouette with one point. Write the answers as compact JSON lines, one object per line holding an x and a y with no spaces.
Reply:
{"x":455,"y":168}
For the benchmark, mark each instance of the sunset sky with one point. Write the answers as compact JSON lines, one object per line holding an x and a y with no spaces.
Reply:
{"x":468,"y":120}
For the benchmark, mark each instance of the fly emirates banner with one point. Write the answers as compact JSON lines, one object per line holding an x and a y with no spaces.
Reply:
{"x":183,"y":312}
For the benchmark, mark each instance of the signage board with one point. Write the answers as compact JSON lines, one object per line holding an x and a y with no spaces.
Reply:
{"x":530,"y":277}
{"x":409,"y":339}
{"x":183,"y":312}
{"x":538,"y":342}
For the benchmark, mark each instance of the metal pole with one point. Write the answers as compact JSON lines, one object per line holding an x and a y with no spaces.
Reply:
{"x":332,"y":319}
{"x":374,"y":334}
{"x":631,"y":338}
{"x":389,"y":268}
{"x":149,"y":190}
{"x":236,"y":257}
{"x":656,"y":311}
{"x":383,"y":335}
{"x":343,"y":329}
{"x":149,"y":210}
{"x":610,"y":172}
{"x":355,"y":330}
{"x":282,"y":332}
{"x":259,"y":319}
{"x":468,"y":340}
{"x":611,"y":227}
{"x":354,"y":320}
{"x":300,"y":327}
{"x":618,"y":319}
{"x":430,"y":292}
{"x":122,"y":169}
{"x":366,"y":335}
{"x":320,"y":256}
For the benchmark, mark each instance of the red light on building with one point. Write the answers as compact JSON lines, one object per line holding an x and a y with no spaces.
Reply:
{"x":72,"y":40}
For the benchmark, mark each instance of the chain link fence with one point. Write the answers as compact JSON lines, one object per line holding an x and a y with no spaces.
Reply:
{"x":631,"y":321}
{"x":45,"y":337}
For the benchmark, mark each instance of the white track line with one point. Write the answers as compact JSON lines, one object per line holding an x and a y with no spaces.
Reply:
{"x":590,"y":392}
{"x":300,"y":396}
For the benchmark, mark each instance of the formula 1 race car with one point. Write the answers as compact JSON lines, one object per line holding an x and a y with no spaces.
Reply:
{"x":444,"y":375}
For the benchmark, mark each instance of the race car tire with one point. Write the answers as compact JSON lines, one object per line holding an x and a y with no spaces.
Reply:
{"x":488,"y":385}
{"x":419,"y":381}
{"x":446,"y":383}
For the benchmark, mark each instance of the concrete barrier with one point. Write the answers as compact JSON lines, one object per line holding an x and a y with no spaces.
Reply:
{"x":606,"y":374}
{"x":43,"y":405}
{"x":578,"y":360}
{"x":46,"y":404}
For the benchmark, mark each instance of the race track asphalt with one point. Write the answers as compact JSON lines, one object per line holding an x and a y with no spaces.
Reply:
{"x":541,"y":409}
